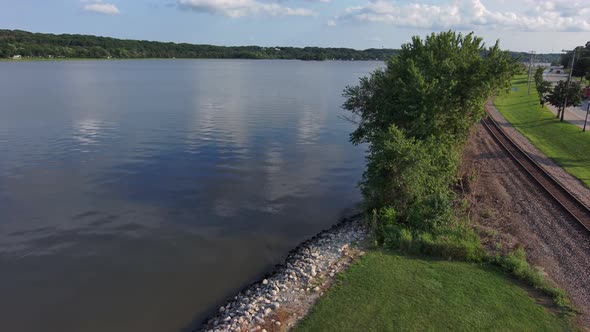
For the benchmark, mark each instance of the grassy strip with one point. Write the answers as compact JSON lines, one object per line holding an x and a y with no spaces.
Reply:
{"x":459,"y":241}
{"x":561,"y":141}
{"x":516,"y":264}
{"x":384,"y":291}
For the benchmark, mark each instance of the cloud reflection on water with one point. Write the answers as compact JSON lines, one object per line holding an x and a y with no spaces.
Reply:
{"x":183,"y":177}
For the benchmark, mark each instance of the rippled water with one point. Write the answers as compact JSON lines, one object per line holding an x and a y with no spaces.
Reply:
{"x":138,"y":195}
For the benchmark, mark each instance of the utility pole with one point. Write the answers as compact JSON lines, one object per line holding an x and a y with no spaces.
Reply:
{"x":587,"y":111}
{"x":567,"y":84}
{"x":531,"y":61}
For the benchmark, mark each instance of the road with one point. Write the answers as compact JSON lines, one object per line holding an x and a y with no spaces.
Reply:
{"x":574,"y":114}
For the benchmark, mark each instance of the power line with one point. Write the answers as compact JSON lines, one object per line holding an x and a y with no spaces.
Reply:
{"x":567,"y":83}
{"x":531,"y":62}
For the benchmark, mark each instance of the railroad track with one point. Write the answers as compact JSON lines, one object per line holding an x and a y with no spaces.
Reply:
{"x":568,"y":201}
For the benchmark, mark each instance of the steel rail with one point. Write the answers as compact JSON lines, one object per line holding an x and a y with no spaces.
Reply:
{"x":568,"y":201}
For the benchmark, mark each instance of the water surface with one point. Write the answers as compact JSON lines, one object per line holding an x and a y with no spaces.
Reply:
{"x":138,"y":195}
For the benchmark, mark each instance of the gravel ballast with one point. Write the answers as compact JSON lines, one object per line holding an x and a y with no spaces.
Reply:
{"x":278,"y":301}
{"x":549,"y":165}
{"x":520,"y":211}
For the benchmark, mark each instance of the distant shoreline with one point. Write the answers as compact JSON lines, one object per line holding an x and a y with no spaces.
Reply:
{"x":126,"y":59}
{"x":52,"y":47}
{"x":18,"y":43}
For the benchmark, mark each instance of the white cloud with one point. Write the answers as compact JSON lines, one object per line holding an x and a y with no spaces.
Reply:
{"x":101,"y":8}
{"x":239,"y":8}
{"x":331,"y":23}
{"x":546,"y":15}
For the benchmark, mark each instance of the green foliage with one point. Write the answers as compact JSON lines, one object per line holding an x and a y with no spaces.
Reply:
{"x":553,"y":58}
{"x":433,"y":87}
{"x":573,"y":92}
{"x":416,"y":114}
{"x":13,"y":42}
{"x":544,"y":88}
{"x":539,"y":75}
{"x":403,"y":171}
{"x":456,"y":243}
{"x":582,"y":60}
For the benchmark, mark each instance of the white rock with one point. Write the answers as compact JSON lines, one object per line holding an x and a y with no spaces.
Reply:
{"x":313,"y":272}
{"x":264,"y":282}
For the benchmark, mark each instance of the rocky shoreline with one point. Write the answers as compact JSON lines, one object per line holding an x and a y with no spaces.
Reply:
{"x":278,"y":301}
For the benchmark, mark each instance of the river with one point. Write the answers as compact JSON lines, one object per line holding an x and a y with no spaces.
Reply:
{"x":139,"y":195}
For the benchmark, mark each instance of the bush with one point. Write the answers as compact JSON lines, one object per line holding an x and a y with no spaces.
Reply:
{"x":432,"y":212}
{"x":403,"y":171}
{"x":449,"y":242}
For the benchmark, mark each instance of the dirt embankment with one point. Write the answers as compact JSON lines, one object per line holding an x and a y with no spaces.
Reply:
{"x":511,"y":210}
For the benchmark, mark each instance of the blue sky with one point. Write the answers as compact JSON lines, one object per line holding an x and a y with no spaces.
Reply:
{"x":521,"y":25}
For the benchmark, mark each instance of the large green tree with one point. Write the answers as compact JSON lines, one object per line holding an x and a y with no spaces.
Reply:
{"x":539,"y":75}
{"x":436,"y":86}
{"x":543,"y":87}
{"x":416,"y":113}
{"x":565,"y":95}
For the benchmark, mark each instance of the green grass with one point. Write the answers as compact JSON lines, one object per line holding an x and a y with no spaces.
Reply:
{"x":563,"y":142}
{"x":388,"y":292}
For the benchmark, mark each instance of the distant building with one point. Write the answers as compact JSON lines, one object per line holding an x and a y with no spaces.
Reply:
{"x":18,"y":56}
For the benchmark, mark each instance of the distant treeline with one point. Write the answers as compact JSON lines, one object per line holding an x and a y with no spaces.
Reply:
{"x":553,"y":58}
{"x":45,"y":45}
{"x":27,"y":44}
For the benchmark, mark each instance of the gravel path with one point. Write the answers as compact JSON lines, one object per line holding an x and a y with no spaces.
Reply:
{"x":277,"y":302}
{"x":567,"y":180}
{"x":516,"y":208}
